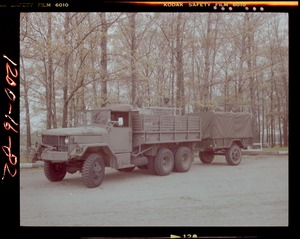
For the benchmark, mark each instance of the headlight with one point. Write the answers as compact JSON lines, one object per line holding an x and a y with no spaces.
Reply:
{"x":66,"y":140}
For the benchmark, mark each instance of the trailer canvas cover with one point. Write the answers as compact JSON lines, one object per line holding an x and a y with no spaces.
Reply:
{"x":217,"y":125}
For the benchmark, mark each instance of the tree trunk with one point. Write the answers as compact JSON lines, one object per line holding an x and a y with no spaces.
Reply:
{"x":180,"y":100}
{"x":48,"y":73}
{"x":27,"y":108}
{"x":66,"y":73}
{"x":250,"y":61}
{"x":133,"y":51}
{"x":207,"y":63}
{"x":51,"y":88}
{"x":103,"y":61}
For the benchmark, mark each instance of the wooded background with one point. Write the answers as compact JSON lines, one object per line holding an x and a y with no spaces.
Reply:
{"x":236,"y":62}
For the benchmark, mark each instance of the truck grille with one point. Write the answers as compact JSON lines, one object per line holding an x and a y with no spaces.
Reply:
{"x":58,"y":142}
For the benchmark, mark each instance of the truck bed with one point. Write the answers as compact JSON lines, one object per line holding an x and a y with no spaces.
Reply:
{"x":150,"y":129}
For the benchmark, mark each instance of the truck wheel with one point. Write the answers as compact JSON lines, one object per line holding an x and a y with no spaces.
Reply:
{"x":233,"y":155}
{"x":54,"y":172}
{"x":183,"y":159}
{"x":164,"y":162}
{"x":93,"y":170}
{"x":127,"y":170}
{"x":206,"y":157}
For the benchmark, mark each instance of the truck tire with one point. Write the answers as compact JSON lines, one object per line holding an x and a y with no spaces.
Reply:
{"x":183,"y":159}
{"x":93,"y":170}
{"x":164,"y":162}
{"x":54,"y":172}
{"x":233,"y":155}
{"x":206,"y":157}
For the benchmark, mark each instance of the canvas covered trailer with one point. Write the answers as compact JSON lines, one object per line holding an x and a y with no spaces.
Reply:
{"x":225,"y":133}
{"x":219,"y":129}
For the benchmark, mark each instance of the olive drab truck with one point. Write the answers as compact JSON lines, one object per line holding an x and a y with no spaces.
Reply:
{"x":156,"y":138}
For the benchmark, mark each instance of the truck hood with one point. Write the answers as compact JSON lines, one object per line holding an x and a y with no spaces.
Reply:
{"x":89,"y":130}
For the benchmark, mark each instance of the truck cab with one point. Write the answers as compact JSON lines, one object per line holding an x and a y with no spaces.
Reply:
{"x":99,"y":138}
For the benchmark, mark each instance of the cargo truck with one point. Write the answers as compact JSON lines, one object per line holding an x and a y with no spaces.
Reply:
{"x":157,"y":138}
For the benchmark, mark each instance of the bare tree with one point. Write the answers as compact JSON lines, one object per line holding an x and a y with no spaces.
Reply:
{"x":72,"y":61}
{"x":180,"y":98}
{"x":25,"y":96}
{"x":103,"y":62}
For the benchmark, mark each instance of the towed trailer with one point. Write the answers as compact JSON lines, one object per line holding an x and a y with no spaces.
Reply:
{"x":225,"y":133}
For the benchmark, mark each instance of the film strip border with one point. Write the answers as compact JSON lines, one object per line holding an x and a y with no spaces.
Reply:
{"x":197,"y":6}
{"x":217,"y":5}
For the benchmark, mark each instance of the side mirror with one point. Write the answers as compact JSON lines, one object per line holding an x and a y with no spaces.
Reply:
{"x":120,"y":121}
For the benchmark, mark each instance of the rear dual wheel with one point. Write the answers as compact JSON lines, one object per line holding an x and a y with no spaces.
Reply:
{"x":165,"y":162}
{"x":183,"y":159}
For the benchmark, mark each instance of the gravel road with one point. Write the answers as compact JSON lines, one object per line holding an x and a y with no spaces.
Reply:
{"x":254,"y":193}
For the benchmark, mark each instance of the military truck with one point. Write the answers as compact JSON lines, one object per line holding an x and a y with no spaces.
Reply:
{"x":123,"y":137}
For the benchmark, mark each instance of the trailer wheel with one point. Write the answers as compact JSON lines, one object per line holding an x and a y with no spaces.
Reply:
{"x":206,"y":157}
{"x":93,"y":170}
{"x":183,"y":159}
{"x":233,"y":155}
{"x":54,"y":172}
{"x":164,"y":162}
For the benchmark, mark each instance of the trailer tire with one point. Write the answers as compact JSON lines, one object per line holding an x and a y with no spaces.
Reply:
{"x":164,"y":162}
{"x":183,"y":159}
{"x":93,"y":170}
{"x":233,"y":155}
{"x":206,"y":157}
{"x":54,"y":172}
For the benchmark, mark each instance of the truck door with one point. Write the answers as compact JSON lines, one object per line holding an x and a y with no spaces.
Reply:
{"x":120,"y":133}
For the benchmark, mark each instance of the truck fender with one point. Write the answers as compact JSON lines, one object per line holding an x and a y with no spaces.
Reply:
{"x":81,"y":149}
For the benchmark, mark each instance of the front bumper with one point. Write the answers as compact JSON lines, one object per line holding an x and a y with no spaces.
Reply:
{"x":54,"y":156}
{"x":44,"y":152}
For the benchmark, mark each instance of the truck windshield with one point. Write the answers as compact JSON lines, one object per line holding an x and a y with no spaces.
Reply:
{"x":92,"y":117}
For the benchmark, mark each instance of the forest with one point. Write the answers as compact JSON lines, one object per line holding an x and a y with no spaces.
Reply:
{"x":226,"y":62}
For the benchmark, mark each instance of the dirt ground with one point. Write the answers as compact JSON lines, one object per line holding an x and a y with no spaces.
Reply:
{"x":254,"y":193}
